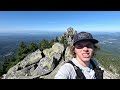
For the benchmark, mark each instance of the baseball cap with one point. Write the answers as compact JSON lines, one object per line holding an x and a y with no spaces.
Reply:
{"x":84,"y":36}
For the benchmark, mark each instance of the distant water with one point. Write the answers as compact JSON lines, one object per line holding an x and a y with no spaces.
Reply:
{"x":9,"y":42}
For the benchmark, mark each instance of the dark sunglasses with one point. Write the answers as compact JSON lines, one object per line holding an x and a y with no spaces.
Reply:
{"x":80,"y":46}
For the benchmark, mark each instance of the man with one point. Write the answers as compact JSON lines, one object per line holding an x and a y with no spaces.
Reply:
{"x":82,"y":66}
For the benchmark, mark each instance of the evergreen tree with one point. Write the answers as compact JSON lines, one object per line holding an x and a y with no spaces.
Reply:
{"x":63,"y":41}
{"x":44,"y":44}
{"x":33,"y":47}
{"x":56,"y":39}
{"x":52,"y":41}
{"x":8,"y":63}
{"x":22,"y":51}
{"x":1,"y":68}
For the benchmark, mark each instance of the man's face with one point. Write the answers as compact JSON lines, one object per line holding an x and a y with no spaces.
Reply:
{"x":84,"y":50}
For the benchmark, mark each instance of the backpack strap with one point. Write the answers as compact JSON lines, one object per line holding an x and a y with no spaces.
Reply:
{"x":79,"y":73}
{"x":98,"y":71}
{"x":93,"y":64}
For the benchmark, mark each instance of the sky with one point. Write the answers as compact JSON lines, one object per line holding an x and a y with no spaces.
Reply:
{"x":59,"y":21}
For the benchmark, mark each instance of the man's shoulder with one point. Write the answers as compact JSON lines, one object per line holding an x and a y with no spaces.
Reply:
{"x":66,"y":66}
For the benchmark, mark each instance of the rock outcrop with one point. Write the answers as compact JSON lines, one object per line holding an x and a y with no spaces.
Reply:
{"x":109,"y":75}
{"x":68,"y":36}
{"x":35,"y":66}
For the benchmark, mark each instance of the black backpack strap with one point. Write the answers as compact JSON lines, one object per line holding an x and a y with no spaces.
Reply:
{"x":98,"y":71}
{"x":93,"y":64}
{"x":79,"y":73}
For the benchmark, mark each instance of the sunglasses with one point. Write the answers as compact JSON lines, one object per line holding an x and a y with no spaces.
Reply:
{"x":80,"y":46}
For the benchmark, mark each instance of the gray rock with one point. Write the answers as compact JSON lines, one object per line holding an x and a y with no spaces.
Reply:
{"x":56,"y":51}
{"x":68,"y":55}
{"x":31,"y":59}
{"x":53,"y":73}
{"x":109,"y":75}
{"x":45,"y":66}
{"x":23,"y":67}
{"x":69,"y":35}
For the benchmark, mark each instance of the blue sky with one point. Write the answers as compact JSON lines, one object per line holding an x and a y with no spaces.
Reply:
{"x":36,"y":21}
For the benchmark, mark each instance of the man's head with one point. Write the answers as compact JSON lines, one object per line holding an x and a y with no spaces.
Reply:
{"x":83,"y":46}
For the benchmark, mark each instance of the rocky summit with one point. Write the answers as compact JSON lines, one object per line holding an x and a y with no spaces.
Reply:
{"x":35,"y":66}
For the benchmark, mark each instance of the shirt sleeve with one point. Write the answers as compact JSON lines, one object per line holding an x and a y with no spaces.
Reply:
{"x":63,"y":72}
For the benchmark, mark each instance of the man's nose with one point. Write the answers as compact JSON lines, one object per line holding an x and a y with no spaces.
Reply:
{"x":85,"y":48}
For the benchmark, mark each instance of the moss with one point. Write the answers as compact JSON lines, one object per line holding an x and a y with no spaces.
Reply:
{"x":47,"y":65}
{"x":48,"y":52}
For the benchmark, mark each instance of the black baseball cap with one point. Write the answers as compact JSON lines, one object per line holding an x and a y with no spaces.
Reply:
{"x":84,"y":36}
